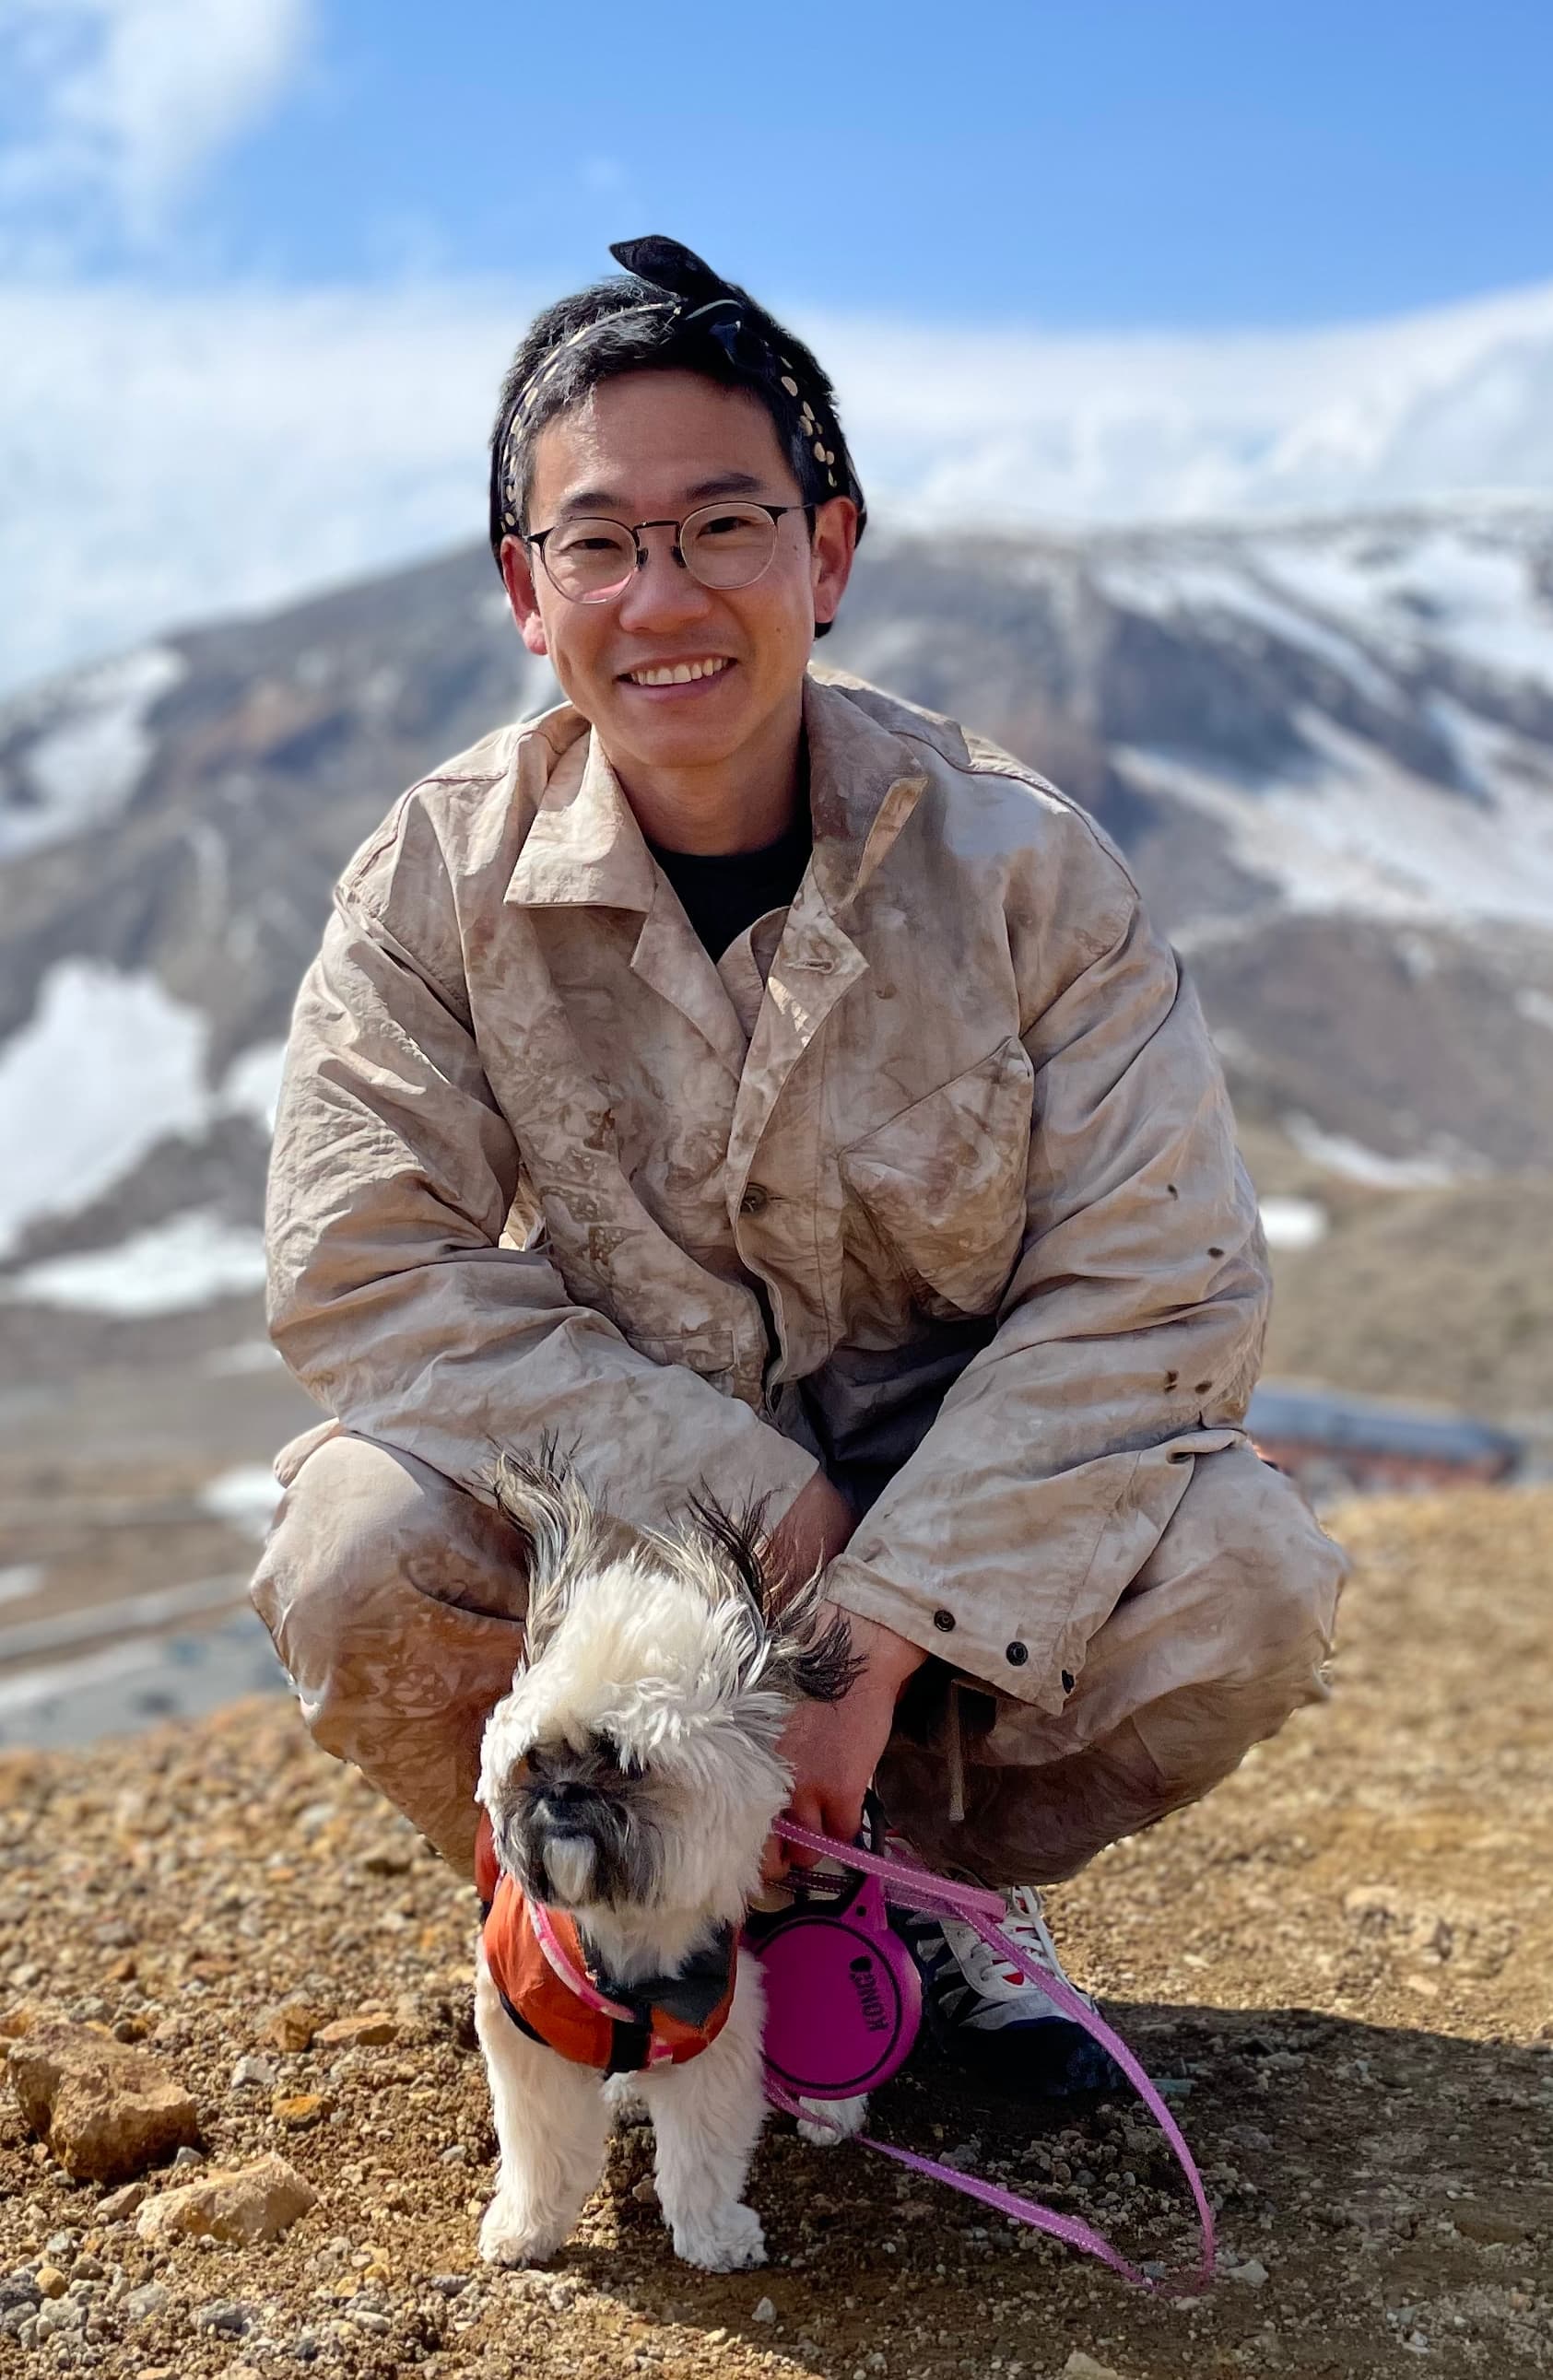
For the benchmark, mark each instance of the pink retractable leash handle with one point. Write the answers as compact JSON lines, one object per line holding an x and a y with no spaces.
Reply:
{"x":937,"y":1896}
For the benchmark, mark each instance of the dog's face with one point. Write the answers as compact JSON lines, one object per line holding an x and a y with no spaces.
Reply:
{"x":635,"y":1763}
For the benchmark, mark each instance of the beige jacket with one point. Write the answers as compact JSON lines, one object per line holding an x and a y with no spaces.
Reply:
{"x":952,"y":1124}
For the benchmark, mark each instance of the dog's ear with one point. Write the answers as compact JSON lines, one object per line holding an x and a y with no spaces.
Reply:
{"x":812,"y":1658}
{"x":797,"y":1648}
{"x":542,"y":1498}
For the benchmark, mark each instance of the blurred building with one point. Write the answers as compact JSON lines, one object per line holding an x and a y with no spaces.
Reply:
{"x":1336,"y":1444}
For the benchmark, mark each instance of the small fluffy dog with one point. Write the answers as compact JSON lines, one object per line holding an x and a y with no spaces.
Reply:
{"x":629,"y":1780}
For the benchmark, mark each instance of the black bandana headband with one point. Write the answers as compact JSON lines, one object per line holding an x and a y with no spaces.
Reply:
{"x":707,"y":306}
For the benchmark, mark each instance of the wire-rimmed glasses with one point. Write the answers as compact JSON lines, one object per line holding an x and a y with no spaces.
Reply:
{"x":590,"y":560}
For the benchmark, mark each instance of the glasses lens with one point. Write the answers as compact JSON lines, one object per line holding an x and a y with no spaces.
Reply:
{"x":727,"y":545}
{"x":590,"y":558}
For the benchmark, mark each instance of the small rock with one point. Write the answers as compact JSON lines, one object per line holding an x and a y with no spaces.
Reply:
{"x":291,"y":2025}
{"x":119,"y":2205}
{"x":105,"y":2110}
{"x":299,"y":2111}
{"x":645,"y":2191}
{"x":224,"y":2317}
{"x":764,"y":2312}
{"x":1252,"y":2272}
{"x":51,"y":2282}
{"x":368,"y":2030}
{"x":189,"y":2157}
{"x":255,"y":2201}
{"x":253,"y":2074}
{"x":450,"y":2285}
{"x":1081,"y":2366}
{"x":455,"y":2154}
{"x":141,"y":2303}
{"x":389,"y":1857}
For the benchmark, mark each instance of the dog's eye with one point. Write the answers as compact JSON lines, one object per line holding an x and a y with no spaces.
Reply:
{"x":617,"y":1756}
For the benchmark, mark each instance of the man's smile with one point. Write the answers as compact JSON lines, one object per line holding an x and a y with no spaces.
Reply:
{"x":690,"y":672}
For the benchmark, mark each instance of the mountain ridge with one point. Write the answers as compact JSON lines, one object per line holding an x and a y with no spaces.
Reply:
{"x":1327,"y":752}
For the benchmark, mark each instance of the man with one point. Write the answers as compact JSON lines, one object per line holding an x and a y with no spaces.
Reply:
{"x":757,"y":1084}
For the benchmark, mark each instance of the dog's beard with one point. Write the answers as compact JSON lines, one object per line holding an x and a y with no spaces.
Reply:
{"x":576,"y":1847}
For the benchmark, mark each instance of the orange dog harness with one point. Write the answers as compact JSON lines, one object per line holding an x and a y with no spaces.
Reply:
{"x":552,"y":1994}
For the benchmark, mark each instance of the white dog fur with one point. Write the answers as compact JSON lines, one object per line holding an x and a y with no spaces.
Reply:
{"x":632,"y":1777}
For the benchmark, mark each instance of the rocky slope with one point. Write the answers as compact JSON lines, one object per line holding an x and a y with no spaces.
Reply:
{"x":1340,"y":1962}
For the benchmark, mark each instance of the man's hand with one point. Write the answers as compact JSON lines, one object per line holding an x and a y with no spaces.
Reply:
{"x":833,"y":1748}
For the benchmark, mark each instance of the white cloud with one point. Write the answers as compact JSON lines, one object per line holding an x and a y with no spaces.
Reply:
{"x":117,"y":106}
{"x":171,"y":456}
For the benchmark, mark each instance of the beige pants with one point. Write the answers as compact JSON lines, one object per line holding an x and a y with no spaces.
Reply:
{"x":396,"y":1603}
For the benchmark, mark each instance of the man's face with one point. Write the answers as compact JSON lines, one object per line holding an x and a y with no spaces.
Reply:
{"x":653,"y":446}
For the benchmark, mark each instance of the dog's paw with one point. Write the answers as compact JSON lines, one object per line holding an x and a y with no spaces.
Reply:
{"x":624,"y":2100}
{"x":728,"y":2240}
{"x":510,"y":2235}
{"x":830,"y":2121}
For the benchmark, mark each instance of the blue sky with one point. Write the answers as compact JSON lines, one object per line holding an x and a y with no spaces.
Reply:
{"x":1200,"y":259}
{"x":1097,"y":163}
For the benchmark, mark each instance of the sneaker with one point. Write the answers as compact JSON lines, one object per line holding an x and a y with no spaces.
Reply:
{"x":985,"y":2015}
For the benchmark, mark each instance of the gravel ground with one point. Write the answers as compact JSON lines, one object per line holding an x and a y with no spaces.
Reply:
{"x":1341,"y":1965}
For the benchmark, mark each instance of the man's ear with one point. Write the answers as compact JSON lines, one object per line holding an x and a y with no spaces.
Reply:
{"x":521,"y":594}
{"x":830,"y":554}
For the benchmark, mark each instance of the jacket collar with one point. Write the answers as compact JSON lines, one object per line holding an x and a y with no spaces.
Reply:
{"x":585,"y":849}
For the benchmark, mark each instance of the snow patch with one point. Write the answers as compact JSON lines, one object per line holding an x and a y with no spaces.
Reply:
{"x":18,"y":1580}
{"x":244,"y":1498}
{"x":108,"y":1064}
{"x":251,"y":1083}
{"x":1358,"y":832}
{"x":236,"y":1363}
{"x":188,"y":1261}
{"x":1357,"y":1163}
{"x":1441,"y":586}
{"x":1294,"y":1222}
{"x":82,"y":769}
{"x":1161,"y":590}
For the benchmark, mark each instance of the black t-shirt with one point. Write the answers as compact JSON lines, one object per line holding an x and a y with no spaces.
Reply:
{"x":722,"y":893}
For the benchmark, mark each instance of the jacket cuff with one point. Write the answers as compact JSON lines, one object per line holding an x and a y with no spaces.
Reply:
{"x":1030,"y":1644}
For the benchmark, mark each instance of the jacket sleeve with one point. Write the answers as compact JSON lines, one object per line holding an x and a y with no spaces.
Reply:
{"x":391,"y":1182}
{"x":1128,"y":1340}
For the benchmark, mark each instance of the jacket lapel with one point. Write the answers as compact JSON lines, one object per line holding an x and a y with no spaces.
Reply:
{"x":863,"y":784}
{"x":586,"y":851}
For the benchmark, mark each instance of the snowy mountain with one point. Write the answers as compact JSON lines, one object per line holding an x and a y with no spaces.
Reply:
{"x":949,"y":422}
{"x":1327,"y":749}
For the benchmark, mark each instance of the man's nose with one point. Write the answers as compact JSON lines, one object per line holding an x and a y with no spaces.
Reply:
{"x":661,"y":588}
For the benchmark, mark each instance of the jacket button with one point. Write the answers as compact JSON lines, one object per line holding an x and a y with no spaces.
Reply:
{"x":754,"y":1198}
{"x":943,"y":1619}
{"x":1067,"y":1681}
{"x":1017,"y":1655}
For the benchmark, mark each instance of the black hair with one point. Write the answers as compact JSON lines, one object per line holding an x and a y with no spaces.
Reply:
{"x":633,"y":324}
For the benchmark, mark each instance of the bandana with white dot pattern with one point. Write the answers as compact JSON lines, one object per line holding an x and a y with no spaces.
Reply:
{"x":704,"y":302}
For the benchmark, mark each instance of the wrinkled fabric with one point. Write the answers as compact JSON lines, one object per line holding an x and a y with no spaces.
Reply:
{"x":933,"y":1177}
{"x":397,"y":1603}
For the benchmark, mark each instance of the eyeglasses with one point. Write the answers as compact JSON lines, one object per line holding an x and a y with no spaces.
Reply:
{"x":725,"y":545}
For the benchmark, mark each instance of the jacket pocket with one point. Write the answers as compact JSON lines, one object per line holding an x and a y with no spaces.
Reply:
{"x":942,"y":1184}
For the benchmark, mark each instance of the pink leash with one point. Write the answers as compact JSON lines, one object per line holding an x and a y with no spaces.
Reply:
{"x":936,"y":1896}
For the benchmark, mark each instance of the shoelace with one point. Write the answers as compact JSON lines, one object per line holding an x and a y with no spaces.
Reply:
{"x":936,"y":1895}
{"x":1023,"y":1925}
